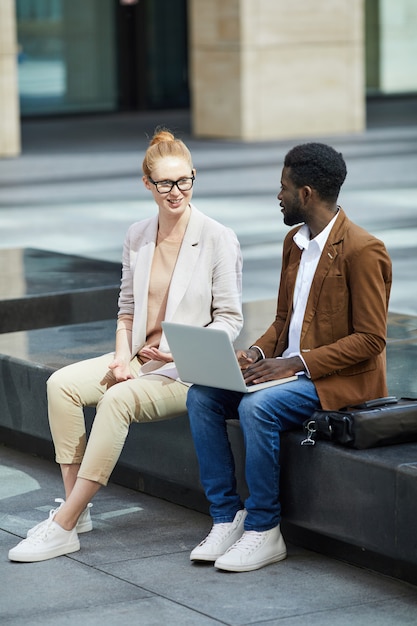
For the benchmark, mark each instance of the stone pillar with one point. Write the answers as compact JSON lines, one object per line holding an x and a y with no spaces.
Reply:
{"x":273,"y":69}
{"x":9,"y":99}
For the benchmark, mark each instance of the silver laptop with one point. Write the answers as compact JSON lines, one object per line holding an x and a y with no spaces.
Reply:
{"x":206,"y":356}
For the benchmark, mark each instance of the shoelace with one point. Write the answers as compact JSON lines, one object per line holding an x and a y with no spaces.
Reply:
{"x":53,"y":511}
{"x":249,"y":541}
{"x":61,"y":501}
{"x":34,"y":531}
{"x":217,"y":533}
{"x":42,"y":532}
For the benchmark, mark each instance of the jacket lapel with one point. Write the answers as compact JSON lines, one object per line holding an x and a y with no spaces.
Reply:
{"x":187,"y":259}
{"x":142,"y":272}
{"x":328,"y":256}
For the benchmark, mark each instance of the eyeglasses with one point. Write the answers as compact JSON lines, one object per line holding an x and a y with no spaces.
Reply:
{"x":165,"y":186}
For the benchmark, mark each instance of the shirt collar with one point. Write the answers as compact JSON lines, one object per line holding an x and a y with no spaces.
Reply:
{"x":302,"y":236}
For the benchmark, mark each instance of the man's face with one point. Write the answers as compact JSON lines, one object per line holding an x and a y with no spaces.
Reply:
{"x":290,"y":200}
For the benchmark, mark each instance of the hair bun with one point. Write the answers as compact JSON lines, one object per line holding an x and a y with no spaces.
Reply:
{"x":161,"y":134}
{"x":164,"y":144}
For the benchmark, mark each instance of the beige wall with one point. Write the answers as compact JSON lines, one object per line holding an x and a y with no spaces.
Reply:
{"x":270,"y":69}
{"x":9,"y":103}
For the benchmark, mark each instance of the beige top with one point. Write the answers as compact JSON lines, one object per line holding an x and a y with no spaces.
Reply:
{"x":163,"y":264}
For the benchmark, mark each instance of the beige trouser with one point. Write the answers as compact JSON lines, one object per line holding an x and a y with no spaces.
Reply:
{"x":91,"y":383}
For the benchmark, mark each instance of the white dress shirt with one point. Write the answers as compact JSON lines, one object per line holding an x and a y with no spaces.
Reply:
{"x":312,"y":249}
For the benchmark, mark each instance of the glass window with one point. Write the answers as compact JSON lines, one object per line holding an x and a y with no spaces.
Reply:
{"x":66,"y":56}
{"x":391,"y":46}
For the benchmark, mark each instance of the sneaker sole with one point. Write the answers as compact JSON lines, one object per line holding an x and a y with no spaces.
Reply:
{"x":206,"y":558}
{"x":50,"y":554}
{"x":254,"y":566}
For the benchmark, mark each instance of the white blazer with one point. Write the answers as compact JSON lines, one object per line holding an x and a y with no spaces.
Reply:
{"x":206,"y":285}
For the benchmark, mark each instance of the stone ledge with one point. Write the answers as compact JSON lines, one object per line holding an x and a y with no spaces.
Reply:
{"x":359,"y":506}
{"x":39,"y":289}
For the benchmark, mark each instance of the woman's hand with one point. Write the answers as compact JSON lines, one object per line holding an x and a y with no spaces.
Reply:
{"x":121,"y":370}
{"x":156,"y":355}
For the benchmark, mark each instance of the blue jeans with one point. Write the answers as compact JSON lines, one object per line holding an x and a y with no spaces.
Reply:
{"x":263,"y":415}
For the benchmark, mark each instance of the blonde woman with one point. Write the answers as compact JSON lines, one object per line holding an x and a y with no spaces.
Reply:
{"x":179,"y":265}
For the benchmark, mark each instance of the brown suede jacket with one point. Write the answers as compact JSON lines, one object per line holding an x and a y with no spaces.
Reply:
{"x":344,"y":330}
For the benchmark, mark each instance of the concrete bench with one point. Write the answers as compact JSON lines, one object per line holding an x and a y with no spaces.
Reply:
{"x":359,"y":506}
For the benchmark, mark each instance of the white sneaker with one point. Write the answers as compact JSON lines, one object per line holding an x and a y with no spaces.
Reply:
{"x":49,"y":541}
{"x":253,"y":551}
{"x":84,"y":524}
{"x":219,"y":539}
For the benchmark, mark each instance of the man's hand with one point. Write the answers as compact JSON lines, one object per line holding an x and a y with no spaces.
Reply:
{"x":272,"y":369}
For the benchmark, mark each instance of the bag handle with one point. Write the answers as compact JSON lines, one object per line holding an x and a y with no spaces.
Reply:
{"x":371,"y":404}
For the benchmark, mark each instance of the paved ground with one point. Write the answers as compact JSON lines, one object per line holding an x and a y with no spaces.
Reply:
{"x":134,"y":568}
{"x":76,"y":188}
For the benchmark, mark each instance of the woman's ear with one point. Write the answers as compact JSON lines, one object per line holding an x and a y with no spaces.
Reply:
{"x":146,"y":182}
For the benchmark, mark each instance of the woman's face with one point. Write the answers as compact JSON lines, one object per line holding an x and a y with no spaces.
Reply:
{"x":170,"y":170}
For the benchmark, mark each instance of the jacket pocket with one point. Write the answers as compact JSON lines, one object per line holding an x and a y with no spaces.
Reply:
{"x":359,"y":368}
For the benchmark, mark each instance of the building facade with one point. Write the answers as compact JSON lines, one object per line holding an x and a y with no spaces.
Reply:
{"x":248,"y":69}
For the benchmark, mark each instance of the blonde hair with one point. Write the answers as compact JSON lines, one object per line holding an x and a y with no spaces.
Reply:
{"x":164,"y":144}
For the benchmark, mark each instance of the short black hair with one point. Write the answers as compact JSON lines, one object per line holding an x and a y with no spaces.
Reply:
{"x":319,"y":166}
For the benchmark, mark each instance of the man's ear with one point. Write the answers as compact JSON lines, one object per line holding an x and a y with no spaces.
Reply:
{"x":307,"y":193}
